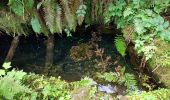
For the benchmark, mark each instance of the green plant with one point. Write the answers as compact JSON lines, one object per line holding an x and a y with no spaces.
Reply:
{"x":81,"y":12}
{"x":146,"y":22}
{"x":160,"y":94}
{"x":122,"y":78}
{"x":110,"y":76}
{"x":10,"y":82}
{"x":120,"y":45}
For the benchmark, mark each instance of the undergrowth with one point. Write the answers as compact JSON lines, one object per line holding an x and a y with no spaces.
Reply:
{"x":18,"y":85}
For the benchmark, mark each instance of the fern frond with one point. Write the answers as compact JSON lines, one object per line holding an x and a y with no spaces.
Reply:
{"x":48,"y":7}
{"x":69,"y":17}
{"x":120,"y":45}
{"x":11,"y":24}
{"x":58,"y":19}
{"x":74,"y":5}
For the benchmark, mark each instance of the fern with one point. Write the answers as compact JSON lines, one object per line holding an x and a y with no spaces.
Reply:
{"x":70,"y":19}
{"x":53,"y":16}
{"x":58,"y":19}
{"x":120,"y":45}
{"x":11,"y":24}
{"x":130,"y":82}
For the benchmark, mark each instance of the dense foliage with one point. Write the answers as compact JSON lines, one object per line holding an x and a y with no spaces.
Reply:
{"x":142,"y":22}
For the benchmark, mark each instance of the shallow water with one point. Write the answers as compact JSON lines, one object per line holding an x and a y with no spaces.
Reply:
{"x":31,"y":52}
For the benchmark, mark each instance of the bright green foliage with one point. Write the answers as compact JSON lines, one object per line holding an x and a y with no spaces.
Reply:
{"x":120,"y":45}
{"x":20,"y":6}
{"x":110,"y":76}
{"x":10,"y":83}
{"x":17,"y":7}
{"x":160,"y":94}
{"x":147,"y":23}
{"x":56,"y":90}
{"x":14,"y":86}
{"x":9,"y":87}
{"x":126,"y":79}
{"x":2,"y":72}
{"x":129,"y":81}
{"x":84,"y":82}
{"x":6,"y":65}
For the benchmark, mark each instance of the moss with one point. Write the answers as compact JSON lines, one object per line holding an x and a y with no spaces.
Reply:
{"x":161,"y":94}
{"x":160,"y":63}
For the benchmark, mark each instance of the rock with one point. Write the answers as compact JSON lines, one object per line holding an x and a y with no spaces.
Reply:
{"x":80,"y":94}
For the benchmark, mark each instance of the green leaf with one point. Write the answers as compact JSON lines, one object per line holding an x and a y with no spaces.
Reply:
{"x":127,"y":12}
{"x":17,"y":7}
{"x":166,"y":24}
{"x":29,"y":4}
{"x":10,"y":2}
{"x":2,"y":72}
{"x":6,"y":65}
{"x":36,"y":25}
{"x":109,"y":77}
{"x":120,"y":45}
{"x":18,"y":75}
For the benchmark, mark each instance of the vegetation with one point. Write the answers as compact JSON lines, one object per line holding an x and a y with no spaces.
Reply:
{"x":143,"y":24}
{"x":35,"y":87}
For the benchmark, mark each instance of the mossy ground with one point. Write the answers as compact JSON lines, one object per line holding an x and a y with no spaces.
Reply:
{"x":160,"y":63}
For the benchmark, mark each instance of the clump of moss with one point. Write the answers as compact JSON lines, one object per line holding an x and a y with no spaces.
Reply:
{"x":160,"y":63}
{"x":161,"y":94}
{"x":162,"y":55}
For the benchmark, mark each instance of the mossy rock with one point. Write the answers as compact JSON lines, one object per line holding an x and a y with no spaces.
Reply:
{"x":160,"y":94}
{"x":160,"y":63}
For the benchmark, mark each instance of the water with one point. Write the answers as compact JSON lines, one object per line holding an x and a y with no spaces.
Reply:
{"x":31,"y":51}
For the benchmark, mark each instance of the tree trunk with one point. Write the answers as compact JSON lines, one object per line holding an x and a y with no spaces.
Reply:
{"x":49,"y":52}
{"x":12,"y":49}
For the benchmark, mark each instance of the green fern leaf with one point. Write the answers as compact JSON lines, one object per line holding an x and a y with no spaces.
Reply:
{"x":70,"y":19}
{"x":58,"y":19}
{"x":120,"y":45}
{"x":52,"y":16}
